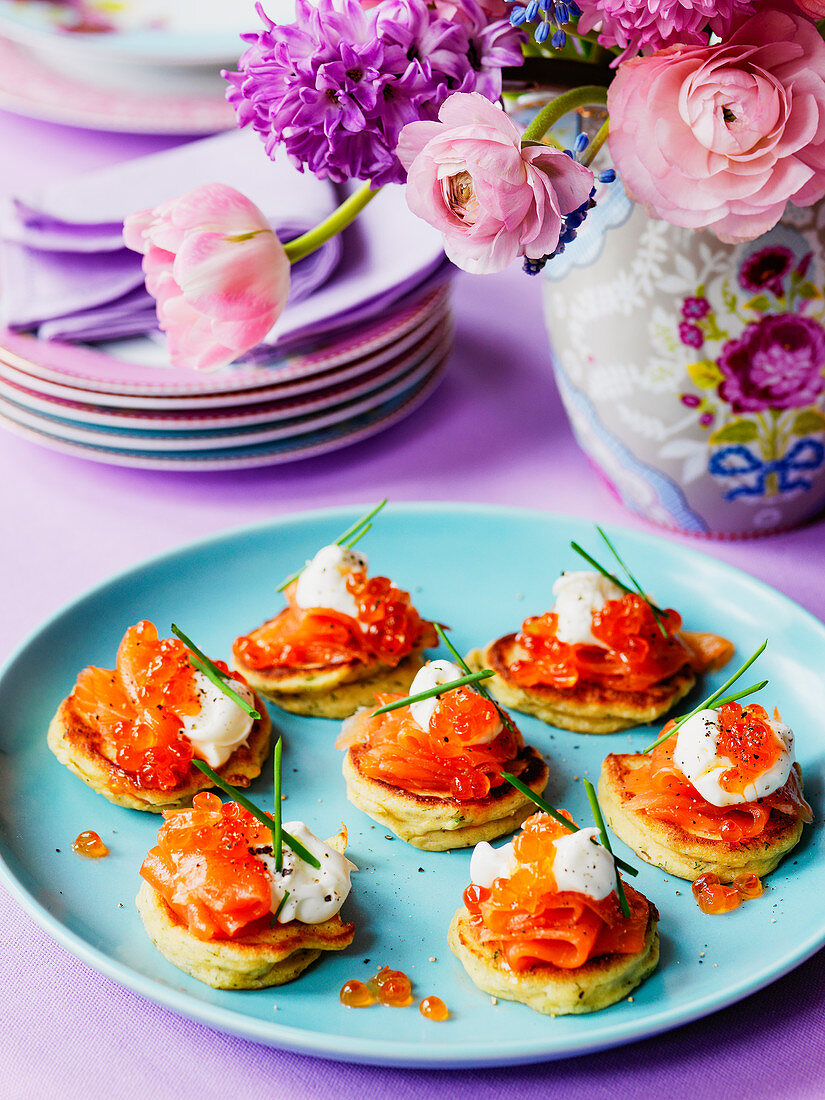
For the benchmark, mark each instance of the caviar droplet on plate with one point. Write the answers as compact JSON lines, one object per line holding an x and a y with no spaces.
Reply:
{"x":355,"y":994}
{"x":394,"y":988}
{"x":89,"y":844}
{"x":714,"y":896}
{"x":433,"y":1008}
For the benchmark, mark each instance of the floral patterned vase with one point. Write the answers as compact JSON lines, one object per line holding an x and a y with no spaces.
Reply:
{"x":693,"y":372}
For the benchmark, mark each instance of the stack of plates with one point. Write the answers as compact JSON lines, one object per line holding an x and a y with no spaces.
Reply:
{"x":107,"y":405}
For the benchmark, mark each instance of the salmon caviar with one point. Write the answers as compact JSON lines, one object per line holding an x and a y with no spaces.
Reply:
{"x":394,"y":988}
{"x":207,"y":800}
{"x":714,"y":896}
{"x":434,"y":1009}
{"x":355,"y":994}
{"x":748,"y":886}
{"x":90,"y":845}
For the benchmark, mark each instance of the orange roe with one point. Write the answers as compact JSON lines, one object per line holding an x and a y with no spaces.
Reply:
{"x":394,"y":988}
{"x":657,"y":787}
{"x":355,"y":994}
{"x":89,"y":844}
{"x":637,"y":656}
{"x":531,"y":923}
{"x":749,"y":741}
{"x":135,"y":711}
{"x":386,"y":629}
{"x":433,"y":1008}
{"x":451,"y":758}
{"x":714,"y":896}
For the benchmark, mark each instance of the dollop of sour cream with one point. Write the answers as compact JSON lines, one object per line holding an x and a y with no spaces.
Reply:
{"x":578,"y":594}
{"x":578,"y":864}
{"x":323,"y":582}
{"x":696,"y":756}
{"x":315,"y":894}
{"x":434,"y":674}
{"x":220,"y":726}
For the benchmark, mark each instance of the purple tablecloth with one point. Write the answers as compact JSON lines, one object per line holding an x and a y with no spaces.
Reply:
{"x":494,"y":432}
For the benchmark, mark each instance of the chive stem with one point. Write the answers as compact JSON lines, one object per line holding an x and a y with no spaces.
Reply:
{"x":711,"y":699}
{"x":202,"y":663}
{"x":355,"y":529}
{"x":277,"y":912}
{"x":546,"y":808}
{"x":277,"y":850}
{"x":612,"y":576}
{"x":482,"y":690}
{"x":440,"y":689}
{"x":349,"y":545}
{"x":656,"y":613}
{"x":600,"y":825}
{"x":265,"y":819}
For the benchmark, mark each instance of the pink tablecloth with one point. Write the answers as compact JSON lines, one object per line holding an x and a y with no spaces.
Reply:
{"x":494,"y":432}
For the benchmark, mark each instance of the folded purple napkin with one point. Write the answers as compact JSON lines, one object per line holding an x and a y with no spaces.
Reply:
{"x":65,"y":271}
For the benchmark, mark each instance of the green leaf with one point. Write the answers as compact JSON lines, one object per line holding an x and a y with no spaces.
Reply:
{"x":761,"y":303}
{"x":705,"y":374}
{"x":809,"y":421}
{"x":808,"y":290}
{"x":737,"y":431}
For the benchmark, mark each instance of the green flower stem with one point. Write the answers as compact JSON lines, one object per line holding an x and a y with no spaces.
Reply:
{"x":595,"y":145}
{"x":570,"y":101}
{"x":339,"y":219}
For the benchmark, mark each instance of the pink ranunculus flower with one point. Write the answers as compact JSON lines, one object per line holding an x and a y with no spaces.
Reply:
{"x":217,"y":270}
{"x":468,"y":176}
{"x":722,"y":136}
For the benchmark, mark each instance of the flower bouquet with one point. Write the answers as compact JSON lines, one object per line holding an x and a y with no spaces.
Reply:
{"x":714,"y":124}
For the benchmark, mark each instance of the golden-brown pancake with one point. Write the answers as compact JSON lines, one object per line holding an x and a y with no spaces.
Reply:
{"x":269,"y":956}
{"x":586,"y":708}
{"x":333,"y":691}
{"x":667,"y":845}
{"x":75,"y":745}
{"x":436,"y":823}
{"x":552,"y":990}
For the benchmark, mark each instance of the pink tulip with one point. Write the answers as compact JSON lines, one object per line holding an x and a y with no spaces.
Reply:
{"x":217,"y":270}
{"x":468,"y":176}
{"x":722,"y":136}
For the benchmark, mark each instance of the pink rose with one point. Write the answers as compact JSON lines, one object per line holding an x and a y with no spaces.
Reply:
{"x":815,"y":9}
{"x":723,"y":136}
{"x":468,"y":176}
{"x":218,"y":272}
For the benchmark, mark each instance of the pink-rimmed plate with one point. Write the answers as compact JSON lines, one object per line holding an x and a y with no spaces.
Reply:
{"x":91,"y":369}
{"x":269,"y":411}
{"x":311,"y":446}
{"x":160,"y":441}
{"x":32,"y":88}
{"x":24,"y":383}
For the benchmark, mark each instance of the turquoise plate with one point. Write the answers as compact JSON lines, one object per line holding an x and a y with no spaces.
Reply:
{"x":482,"y":570}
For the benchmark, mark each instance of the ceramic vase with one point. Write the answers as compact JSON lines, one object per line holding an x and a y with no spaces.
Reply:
{"x":693,"y":372}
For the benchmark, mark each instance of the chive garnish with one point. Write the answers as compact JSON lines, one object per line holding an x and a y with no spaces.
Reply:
{"x":546,"y":808}
{"x":612,"y":577}
{"x":276,"y":811}
{"x":199,"y":660}
{"x":600,"y":825}
{"x":482,"y":690}
{"x":265,"y":819}
{"x":277,"y":912}
{"x":656,"y":613}
{"x":711,"y":699}
{"x":353,"y":533}
{"x":433,"y":691}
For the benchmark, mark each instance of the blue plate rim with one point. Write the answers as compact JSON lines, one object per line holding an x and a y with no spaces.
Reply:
{"x":397,"y":1053}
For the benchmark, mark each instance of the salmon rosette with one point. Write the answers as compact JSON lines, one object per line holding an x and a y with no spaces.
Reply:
{"x":542,"y":922}
{"x":723,"y":795}
{"x":215,"y":905}
{"x":431,"y":770}
{"x":132,"y":732}
{"x":600,"y":660}
{"x":342,"y":637}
